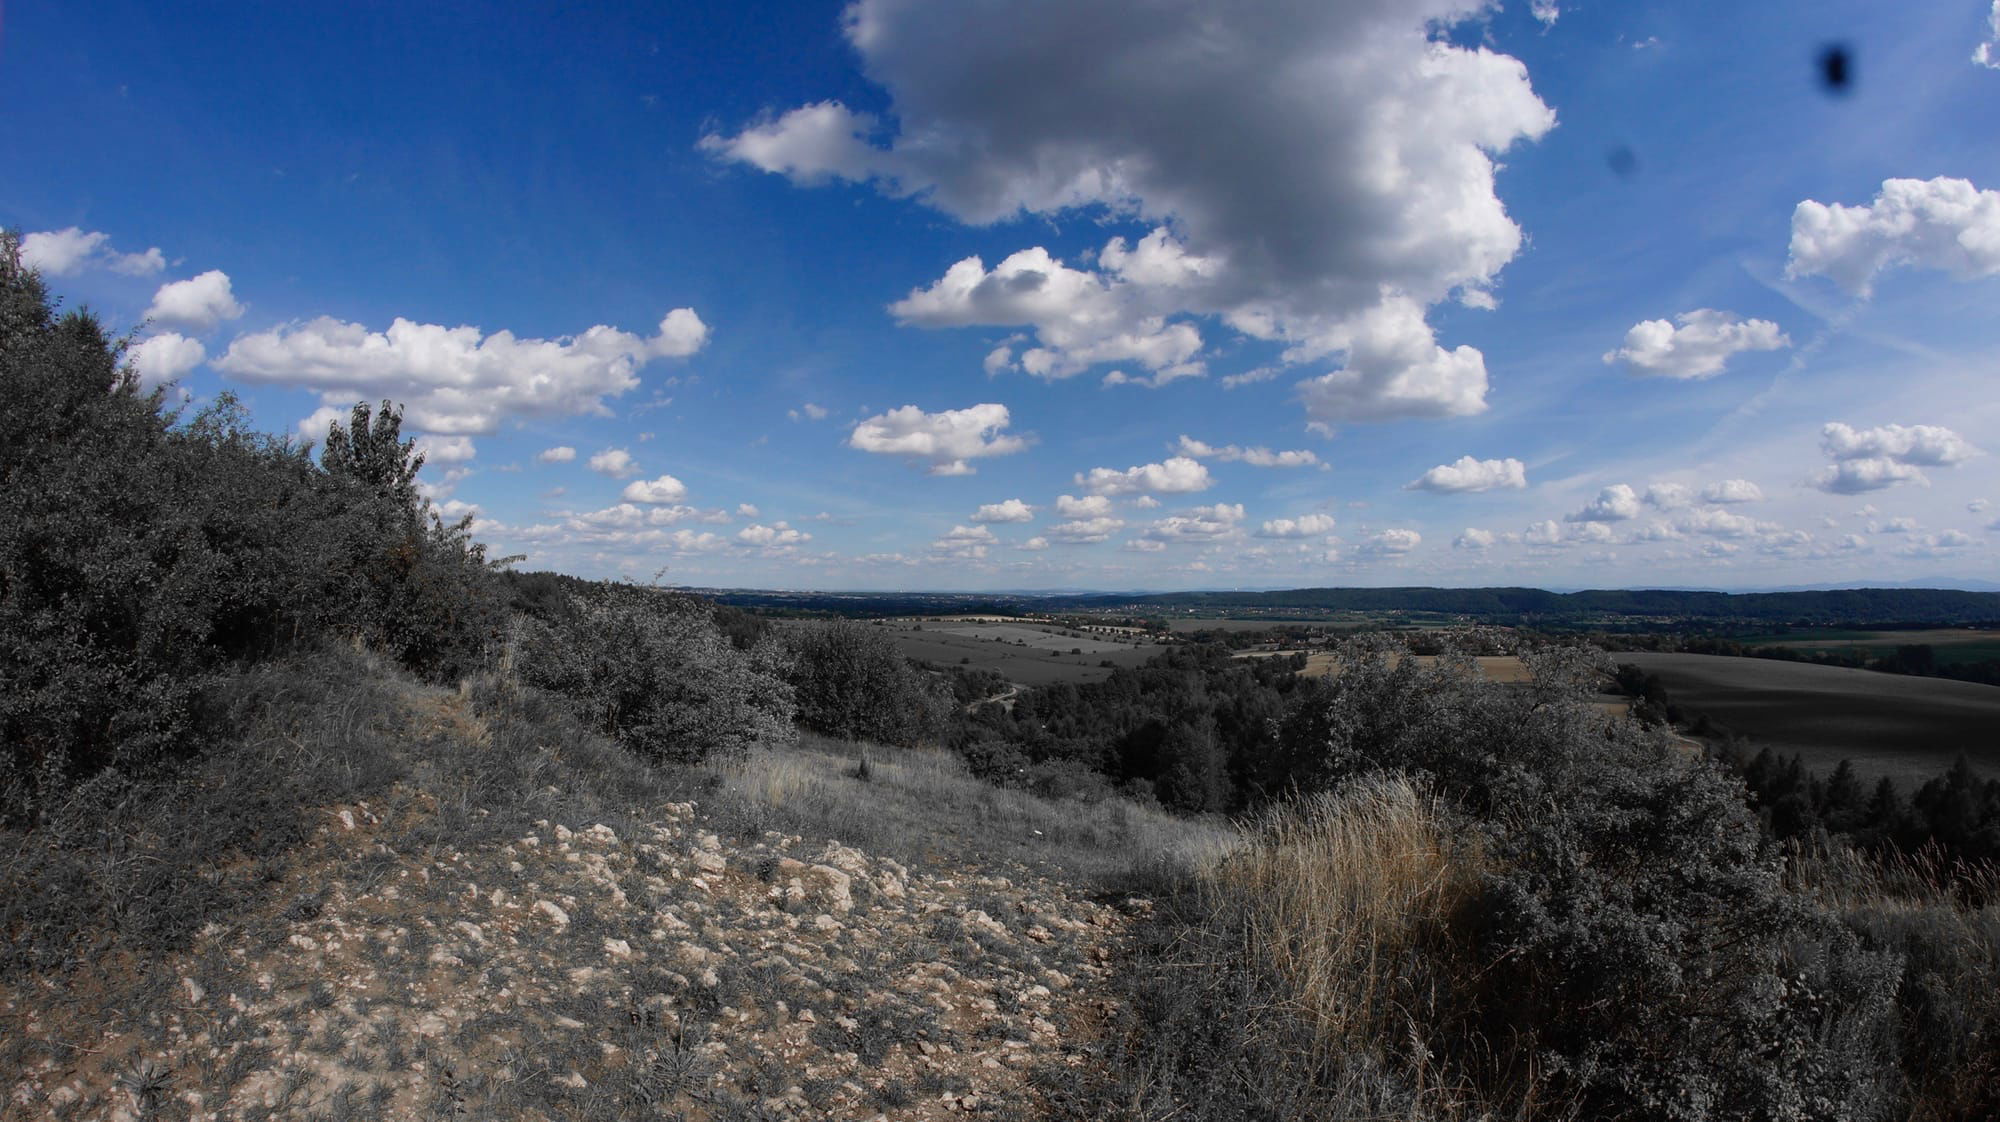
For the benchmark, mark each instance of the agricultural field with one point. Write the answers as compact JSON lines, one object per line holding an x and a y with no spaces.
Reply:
{"x":1888,"y":724}
{"x":1025,"y":652}
{"x":1948,"y":645}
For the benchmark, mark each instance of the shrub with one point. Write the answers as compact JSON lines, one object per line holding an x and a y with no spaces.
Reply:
{"x":653,"y":671}
{"x":852,"y":682}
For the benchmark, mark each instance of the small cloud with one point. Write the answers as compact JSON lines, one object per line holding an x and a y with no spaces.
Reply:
{"x":1732,"y":491}
{"x":1615,"y":503}
{"x":665,"y":489}
{"x":614,"y":462}
{"x":560,"y":454}
{"x":198,"y":303}
{"x":1010,"y":510}
{"x":1470,"y":475}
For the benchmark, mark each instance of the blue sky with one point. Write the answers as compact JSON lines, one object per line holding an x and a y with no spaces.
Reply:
{"x":1034,"y":295}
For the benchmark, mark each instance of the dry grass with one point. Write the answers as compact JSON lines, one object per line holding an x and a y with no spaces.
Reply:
{"x":1349,"y":904}
{"x":922,"y":804}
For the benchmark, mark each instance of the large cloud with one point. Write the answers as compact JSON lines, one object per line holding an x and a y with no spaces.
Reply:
{"x":1698,"y":348}
{"x":198,"y":303}
{"x":1942,"y":223}
{"x":1175,"y":476}
{"x":459,"y":379}
{"x":945,"y":441}
{"x":61,"y":253}
{"x":1299,"y":165}
{"x":1468,"y":474}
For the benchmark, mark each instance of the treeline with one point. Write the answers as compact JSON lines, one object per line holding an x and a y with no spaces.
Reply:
{"x":1193,"y":728}
{"x":146,"y":552}
{"x":1924,"y":606}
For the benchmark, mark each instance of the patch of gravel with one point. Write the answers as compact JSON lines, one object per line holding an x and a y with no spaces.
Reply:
{"x":585,"y":974}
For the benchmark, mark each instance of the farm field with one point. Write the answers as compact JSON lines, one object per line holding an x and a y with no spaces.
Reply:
{"x":1025,"y":653}
{"x":1948,"y":644}
{"x":1888,"y":724}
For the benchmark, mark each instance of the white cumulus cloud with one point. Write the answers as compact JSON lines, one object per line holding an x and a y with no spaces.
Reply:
{"x":778,"y":534}
{"x":1201,"y":525}
{"x":1987,"y":54}
{"x":614,"y":462}
{"x":62,"y":253}
{"x":967,"y":543}
{"x":164,"y":357}
{"x":1304,"y":526}
{"x":945,"y":442}
{"x":1668,"y":496}
{"x":1085,"y":531}
{"x":1615,"y":503}
{"x":1474,"y":539}
{"x":560,"y":454}
{"x":1468,"y":474}
{"x":1178,"y":475}
{"x":198,"y":303}
{"x":446,"y":449}
{"x":1872,"y":459}
{"x":1391,"y":543}
{"x":459,"y":379}
{"x":1010,"y":510}
{"x":665,"y":489}
{"x":1089,"y":506}
{"x":1732,"y":491}
{"x":1943,"y":223}
{"x":1698,"y":348}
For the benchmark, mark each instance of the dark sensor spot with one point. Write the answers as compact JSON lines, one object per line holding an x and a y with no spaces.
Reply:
{"x":1623,"y":162}
{"x":1836,"y":69}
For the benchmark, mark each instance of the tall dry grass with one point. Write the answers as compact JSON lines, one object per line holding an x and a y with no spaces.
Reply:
{"x":1351,"y":907}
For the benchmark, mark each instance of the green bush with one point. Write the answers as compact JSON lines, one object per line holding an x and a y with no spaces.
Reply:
{"x":653,"y":671}
{"x":852,"y":682}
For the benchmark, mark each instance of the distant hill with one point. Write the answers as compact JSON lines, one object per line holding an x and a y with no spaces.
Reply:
{"x":1853,"y":606}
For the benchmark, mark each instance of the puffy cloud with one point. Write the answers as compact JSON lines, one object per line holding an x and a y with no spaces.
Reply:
{"x":1396,"y":370}
{"x":1474,"y":539}
{"x":446,"y":449}
{"x":1723,"y":524}
{"x":1855,"y":477}
{"x":965,"y":543}
{"x":777,"y":534}
{"x":1546,"y":11}
{"x":1591,"y":533}
{"x":164,"y":358}
{"x":1945,"y":224}
{"x":1011,"y":510}
{"x":1080,"y":317}
{"x":1942,"y":544}
{"x":1085,"y":531}
{"x":1872,"y":459}
{"x":1894,"y":526}
{"x":1732,"y":491}
{"x":1668,"y":496}
{"x":808,"y":411}
{"x":62,"y":253}
{"x":198,"y":303}
{"x":1615,"y":503}
{"x":1090,"y":506}
{"x":945,"y":441}
{"x":1034,"y":544}
{"x":1929,"y":445}
{"x":1544,"y":533}
{"x":560,"y":454}
{"x":614,"y":462}
{"x":1178,"y":475}
{"x":1468,"y":474}
{"x":665,"y":489}
{"x":1987,"y":54}
{"x":748,"y":510}
{"x":1698,"y":348}
{"x":1160,"y":378}
{"x":1255,"y":457}
{"x":459,"y":379}
{"x":1304,"y":526}
{"x":1200,"y":525}
{"x":1391,"y":543}
{"x":1302,"y":167}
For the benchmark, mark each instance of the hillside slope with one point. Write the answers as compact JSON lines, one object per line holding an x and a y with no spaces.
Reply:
{"x":432,"y":952}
